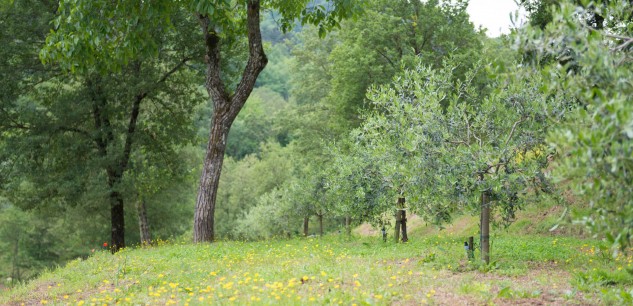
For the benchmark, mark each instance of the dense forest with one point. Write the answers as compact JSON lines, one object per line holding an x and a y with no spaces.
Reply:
{"x":116,"y":123}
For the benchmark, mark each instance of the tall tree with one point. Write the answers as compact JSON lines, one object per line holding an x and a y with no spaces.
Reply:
{"x":81,"y":130}
{"x":222,"y":23}
{"x":390,"y":36}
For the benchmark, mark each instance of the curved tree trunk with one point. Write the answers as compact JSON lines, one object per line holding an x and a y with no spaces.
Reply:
{"x":225,"y":109}
{"x":205,"y":204}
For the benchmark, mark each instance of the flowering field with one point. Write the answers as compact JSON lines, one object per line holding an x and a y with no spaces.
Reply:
{"x":339,"y":270}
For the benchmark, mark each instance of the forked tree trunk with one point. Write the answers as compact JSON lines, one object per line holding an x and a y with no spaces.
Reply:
{"x":306,"y":223}
{"x":225,"y":109}
{"x":143,"y":224}
{"x":104,"y":141}
{"x":485,"y":227}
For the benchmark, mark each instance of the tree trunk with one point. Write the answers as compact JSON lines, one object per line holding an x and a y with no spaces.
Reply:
{"x":485,"y":227}
{"x":405,"y":237}
{"x":143,"y":224}
{"x":348,"y":225}
{"x":225,"y":109}
{"x":320,"y":224}
{"x":403,"y":219}
{"x":115,"y":171}
{"x":398,"y":225}
{"x":117,"y":220}
{"x":207,"y":192}
{"x":306,"y":222}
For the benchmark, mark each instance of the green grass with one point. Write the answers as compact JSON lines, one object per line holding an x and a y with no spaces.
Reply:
{"x":339,"y":270}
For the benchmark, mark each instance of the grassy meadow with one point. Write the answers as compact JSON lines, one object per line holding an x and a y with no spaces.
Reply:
{"x":339,"y":270}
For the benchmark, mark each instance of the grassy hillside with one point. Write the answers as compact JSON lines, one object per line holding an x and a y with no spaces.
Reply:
{"x":432,"y":268}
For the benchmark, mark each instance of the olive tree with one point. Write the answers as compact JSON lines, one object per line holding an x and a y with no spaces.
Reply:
{"x":450,"y":145}
{"x":595,"y":143}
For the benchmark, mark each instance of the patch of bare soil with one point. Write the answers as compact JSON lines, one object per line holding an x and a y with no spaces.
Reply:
{"x":35,"y":296}
{"x":41,"y":292}
{"x":414,"y":222}
{"x":365,"y":229}
{"x":545,"y":286}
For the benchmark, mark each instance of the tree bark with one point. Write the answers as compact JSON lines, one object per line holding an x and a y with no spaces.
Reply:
{"x":306,"y":223}
{"x":398,"y":225}
{"x":117,"y":218}
{"x":403,"y":220}
{"x":207,"y":192}
{"x":225,"y":109}
{"x":485,"y":227}
{"x":143,"y":224}
{"x":115,"y":169}
{"x":348,"y":225}
{"x":320,"y":216}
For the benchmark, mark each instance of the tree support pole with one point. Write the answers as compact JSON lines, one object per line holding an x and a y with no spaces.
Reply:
{"x":485,"y":227}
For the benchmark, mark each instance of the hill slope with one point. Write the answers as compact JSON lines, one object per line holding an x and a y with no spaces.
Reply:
{"x":338,"y":269}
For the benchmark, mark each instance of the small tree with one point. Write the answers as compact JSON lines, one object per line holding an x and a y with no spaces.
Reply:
{"x":450,"y":144}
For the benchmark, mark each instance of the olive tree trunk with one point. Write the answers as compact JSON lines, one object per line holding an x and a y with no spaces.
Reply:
{"x":396,"y":234}
{"x":306,"y":223}
{"x":320,"y":217}
{"x":401,"y":222}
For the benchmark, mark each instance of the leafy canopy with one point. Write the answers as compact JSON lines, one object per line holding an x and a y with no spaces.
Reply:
{"x":107,"y":35}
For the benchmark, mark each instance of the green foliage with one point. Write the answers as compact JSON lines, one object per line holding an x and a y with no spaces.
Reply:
{"x":245,"y":185}
{"x":393,"y":35}
{"x":66,"y":138}
{"x":268,"y":219}
{"x":330,"y":81}
{"x":595,"y":141}
{"x":441,"y":143}
{"x":31,"y":241}
{"x":107,"y":36}
{"x":260,"y":120}
{"x":276,"y":75}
